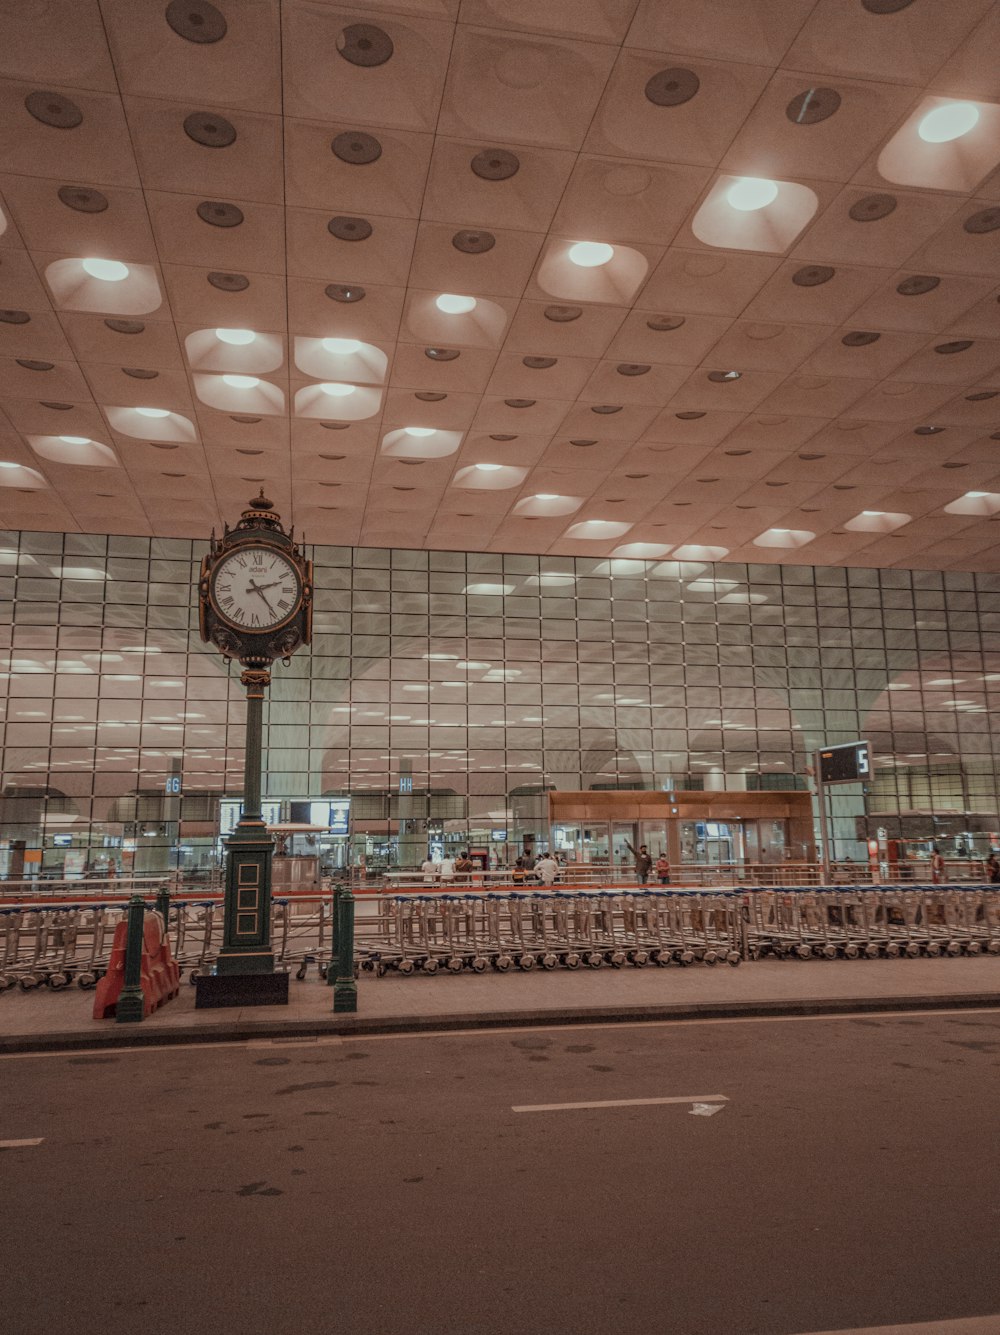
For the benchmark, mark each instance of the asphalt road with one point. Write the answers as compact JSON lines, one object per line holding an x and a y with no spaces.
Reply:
{"x":849,"y":1179}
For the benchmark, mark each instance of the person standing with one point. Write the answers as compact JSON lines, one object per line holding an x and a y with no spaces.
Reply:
{"x":993,"y":867}
{"x":937,"y":865}
{"x":663,"y":869}
{"x":446,"y":870}
{"x":547,"y":869}
{"x":464,"y":866}
{"x":643,"y":862}
{"x":430,"y":870}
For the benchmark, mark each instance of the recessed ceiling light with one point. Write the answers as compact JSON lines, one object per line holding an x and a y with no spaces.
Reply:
{"x":419,"y":430}
{"x":153,"y":412}
{"x":751,"y":193}
{"x":590,"y":254}
{"x":718,"y":377}
{"x":337,"y":391}
{"x":949,"y":122}
{"x":237,"y":337}
{"x":8,"y":465}
{"x":75,"y":440}
{"x":341,"y":346}
{"x":109,"y":271}
{"x":241,"y":381}
{"x":546,"y":496}
{"x":489,"y":468}
{"x":452,"y":304}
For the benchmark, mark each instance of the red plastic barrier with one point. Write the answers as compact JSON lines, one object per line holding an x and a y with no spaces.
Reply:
{"x":159,"y":976}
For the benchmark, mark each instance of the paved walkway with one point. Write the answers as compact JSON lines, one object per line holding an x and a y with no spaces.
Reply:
{"x":37,"y":1020}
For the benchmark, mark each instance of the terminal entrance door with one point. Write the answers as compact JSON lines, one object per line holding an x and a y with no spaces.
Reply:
{"x":621,"y":858}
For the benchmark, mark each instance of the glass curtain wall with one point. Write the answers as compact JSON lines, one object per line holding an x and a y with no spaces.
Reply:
{"x":446,"y":693}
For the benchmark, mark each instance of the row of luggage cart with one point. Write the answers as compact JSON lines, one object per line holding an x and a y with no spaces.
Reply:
{"x":525,"y":931}
{"x":56,"y":945}
{"x":884,"y":921}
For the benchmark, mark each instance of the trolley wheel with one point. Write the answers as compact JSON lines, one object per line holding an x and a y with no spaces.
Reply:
{"x":479,"y":964}
{"x":28,"y":982}
{"x":710,"y":957}
{"x":300,"y":972}
{"x":380,"y":970}
{"x":593,"y":959}
{"x":526,"y":962}
{"x":827,"y":952}
{"x":193,"y":976}
{"x":660,"y":957}
{"x":994,"y":947}
{"x":57,"y":981}
{"x":405,"y":967}
{"x":430,"y":966}
{"x":616,"y":958}
{"x":571,"y":959}
{"x":368,"y":966}
{"x":638,"y":958}
{"x":953,"y":948}
{"x":86,"y":981}
{"x":684,"y":956}
{"x":734,"y":958}
{"x":973,"y":947}
{"x":851,"y":951}
{"x":456,"y":964}
{"x":913,"y":950}
{"x":548,"y":960}
{"x":802,"y":952}
{"x":871,"y":951}
{"x":933,"y":949}
{"x":502,"y":963}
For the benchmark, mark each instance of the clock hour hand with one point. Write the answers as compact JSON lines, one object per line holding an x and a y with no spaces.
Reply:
{"x":258,"y":587}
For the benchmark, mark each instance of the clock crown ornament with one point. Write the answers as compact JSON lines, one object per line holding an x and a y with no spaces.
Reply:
{"x":255,"y":591}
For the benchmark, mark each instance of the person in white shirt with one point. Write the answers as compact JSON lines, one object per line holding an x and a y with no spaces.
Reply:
{"x":547,"y":869}
{"x":430,"y":870}
{"x":447,"y":869}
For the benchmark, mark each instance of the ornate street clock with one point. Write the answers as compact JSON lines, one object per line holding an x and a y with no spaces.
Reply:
{"x":255,"y":605}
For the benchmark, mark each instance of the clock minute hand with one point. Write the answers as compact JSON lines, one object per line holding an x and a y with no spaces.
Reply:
{"x":253,"y":588}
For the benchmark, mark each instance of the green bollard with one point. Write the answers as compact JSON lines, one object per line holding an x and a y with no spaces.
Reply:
{"x":345,"y":989}
{"x":132,"y":1001}
{"x":331,"y":972}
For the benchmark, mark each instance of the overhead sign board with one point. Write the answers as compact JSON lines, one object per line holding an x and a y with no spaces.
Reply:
{"x":850,"y":763}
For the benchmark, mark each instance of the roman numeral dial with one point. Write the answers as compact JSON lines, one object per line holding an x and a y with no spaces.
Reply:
{"x":255,"y":589}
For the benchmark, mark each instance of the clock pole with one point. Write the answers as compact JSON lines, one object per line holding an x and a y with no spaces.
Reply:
{"x":246,"y":943}
{"x":255,"y":605}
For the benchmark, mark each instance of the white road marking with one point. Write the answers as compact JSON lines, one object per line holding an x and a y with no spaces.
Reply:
{"x":717,"y":1099}
{"x":20,"y":1144}
{"x":705,"y":1109}
{"x":973,"y":1325}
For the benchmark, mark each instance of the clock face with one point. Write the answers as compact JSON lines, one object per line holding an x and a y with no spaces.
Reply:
{"x":255,"y":588}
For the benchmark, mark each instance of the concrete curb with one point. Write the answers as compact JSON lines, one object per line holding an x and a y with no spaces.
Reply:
{"x":346,"y":1026}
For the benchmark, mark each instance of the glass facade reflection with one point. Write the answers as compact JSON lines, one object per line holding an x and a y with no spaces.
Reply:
{"x":447,"y":692}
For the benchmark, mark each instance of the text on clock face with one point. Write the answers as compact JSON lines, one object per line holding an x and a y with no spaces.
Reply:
{"x":256,"y":588}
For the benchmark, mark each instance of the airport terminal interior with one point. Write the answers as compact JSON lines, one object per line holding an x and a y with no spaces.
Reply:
{"x":630,"y":372}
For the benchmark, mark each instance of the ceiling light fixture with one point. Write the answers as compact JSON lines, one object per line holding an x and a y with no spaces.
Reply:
{"x":337,"y":391}
{"x":153,"y":412}
{"x":546,"y":496}
{"x":75,"y":440}
{"x":452,"y":304}
{"x":590,"y":254}
{"x":237,"y":337}
{"x":241,"y":381}
{"x":343,"y":347}
{"x":489,"y":468}
{"x":949,"y":122}
{"x":751,"y":193}
{"x":108,"y":271}
{"x":419,"y":430}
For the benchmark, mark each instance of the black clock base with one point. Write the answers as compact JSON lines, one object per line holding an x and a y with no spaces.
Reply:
{"x":214,"y":990}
